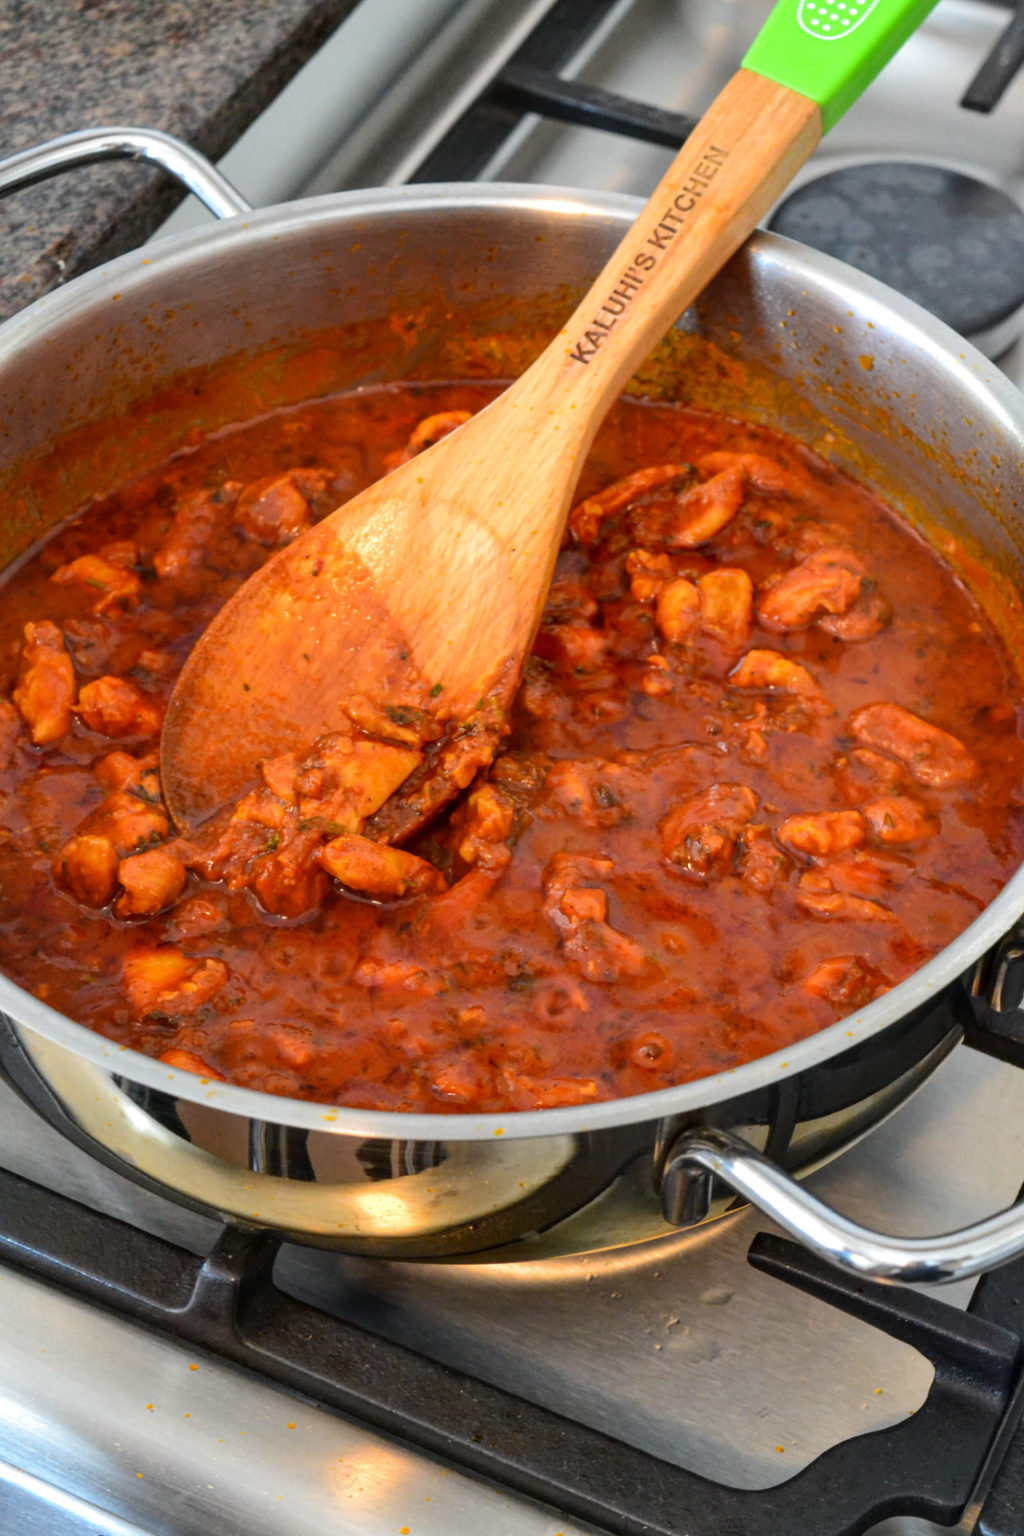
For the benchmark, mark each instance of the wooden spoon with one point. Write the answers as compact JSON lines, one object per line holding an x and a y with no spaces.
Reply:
{"x":414,"y":605}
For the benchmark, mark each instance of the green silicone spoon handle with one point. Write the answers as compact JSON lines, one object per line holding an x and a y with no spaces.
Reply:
{"x":831,"y":50}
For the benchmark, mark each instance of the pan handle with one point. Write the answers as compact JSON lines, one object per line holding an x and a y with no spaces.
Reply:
{"x":95,"y":144}
{"x":699,"y":1156}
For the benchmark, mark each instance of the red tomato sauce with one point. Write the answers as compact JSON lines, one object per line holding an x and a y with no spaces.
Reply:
{"x":765,"y":761}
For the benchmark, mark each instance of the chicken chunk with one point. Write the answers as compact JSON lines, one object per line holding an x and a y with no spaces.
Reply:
{"x":346,"y":778}
{"x":122,"y":770}
{"x":678,"y":609}
{"x":864,"y":774}
{"x":763,"y":473}
{"x":656,"y":680}
{"x":865,"y":874}
{"x":193,"y":524}
{"x":570,"y":602}
{"x":826,"y":582}
{"x":45,"y":689}
{"x":387,"y":874}
{"x":588,"y":517}
{"x":150,"y":882}
{"x":593,"y":790}
{"x":197,"y":916}
{"x":823,"y":835}
{"x":527,"y":1091}
{"x":817,"y":893}
{"x":761,"y":864}
{"x":861,"y":621}
{"x":282,"y":871}
{"x":402,"y":975}
{"x":932,"y":756}
{"x":125,"y":554}
{"x":272,"y":511}
{"x":699,"y":837}
{"x":450,"y":765}
{"x":578,"y":913}
{"x":432,"y":428}
{"x":427,"y":432}
{"x":583,"y":904}
{"x":484,"y":825}
{"x":113,"y":706}
{"x":647,"y":574}
{"x":846,"y":981}
{"x":577,"y":648}
{"x":900,"y":819}
{"x":87,"y":867}
{"x":727,"y":606}
{"x":164,"y":980}
{"x":460,"y":1080}
{"x":773,"y":672}
{"x":276,"y":508}
{"x":601,"y":953}
{"x":116,"y":584}
{"x":130,"y":820}
{"x":695,"y":515}
{"x":189,"y":1061}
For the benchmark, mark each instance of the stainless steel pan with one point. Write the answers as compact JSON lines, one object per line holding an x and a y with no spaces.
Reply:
{"x":450,"y":281}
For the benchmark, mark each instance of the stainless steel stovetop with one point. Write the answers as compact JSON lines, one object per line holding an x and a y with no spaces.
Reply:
{"x":677,"y":1346}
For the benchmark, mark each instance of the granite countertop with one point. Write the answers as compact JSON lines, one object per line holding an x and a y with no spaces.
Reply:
{"x":201,"y":70}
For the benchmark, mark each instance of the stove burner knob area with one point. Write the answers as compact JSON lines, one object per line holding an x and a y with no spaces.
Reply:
{"x":952,"y":243}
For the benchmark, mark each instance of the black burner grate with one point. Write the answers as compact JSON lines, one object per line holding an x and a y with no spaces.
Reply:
{"x":1000,"y":68}
{"x":964,"y":1449}
{"x":531,"y":83}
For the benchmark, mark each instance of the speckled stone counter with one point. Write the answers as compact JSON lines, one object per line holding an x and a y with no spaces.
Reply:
{"x":201,"y":70}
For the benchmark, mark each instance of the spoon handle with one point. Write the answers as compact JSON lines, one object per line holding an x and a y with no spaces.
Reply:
{"x":831,"y":51}
{"x":809,"y":63}
{"x":743,"y":153}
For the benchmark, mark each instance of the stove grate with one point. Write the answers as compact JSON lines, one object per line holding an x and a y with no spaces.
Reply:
{"x":1000,"y":68}
{"x":529,"y":89}
{"x":530,"y":82}
{"x":963,"y":1450}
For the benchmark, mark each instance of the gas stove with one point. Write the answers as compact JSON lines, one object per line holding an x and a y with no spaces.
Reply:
{"x":163,"y":1376}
